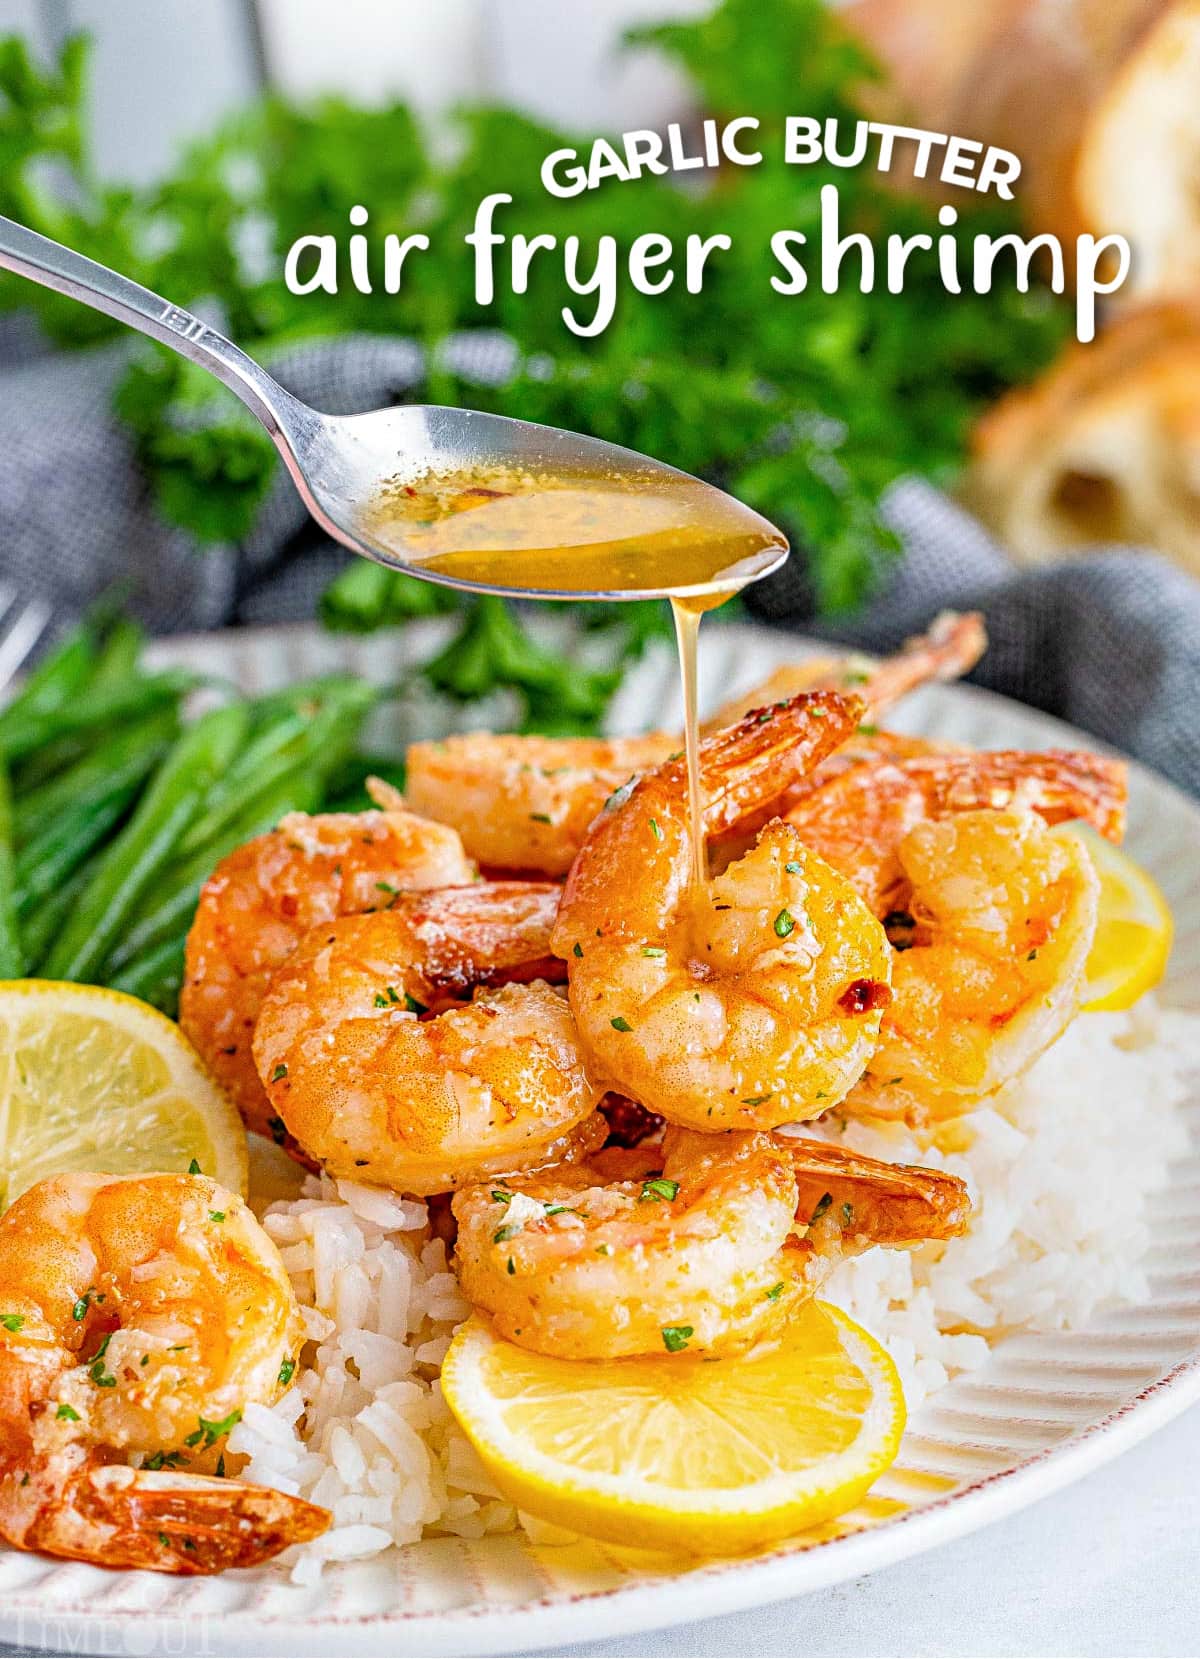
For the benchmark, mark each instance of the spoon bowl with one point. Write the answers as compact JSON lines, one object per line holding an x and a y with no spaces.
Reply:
{"x":475,"y":501}
{"x":521,"y":509}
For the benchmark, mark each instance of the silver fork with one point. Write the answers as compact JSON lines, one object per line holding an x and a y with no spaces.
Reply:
{"x":21,"y":626}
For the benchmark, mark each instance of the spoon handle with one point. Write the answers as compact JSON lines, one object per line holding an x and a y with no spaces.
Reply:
{"x":42,"y":260}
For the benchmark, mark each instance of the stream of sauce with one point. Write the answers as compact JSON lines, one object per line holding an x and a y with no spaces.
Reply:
{"x":688,"y":614}
{"x":606,"y":534}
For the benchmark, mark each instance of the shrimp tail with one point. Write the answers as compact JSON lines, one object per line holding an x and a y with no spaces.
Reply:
{"x":165,"y":1522}
{"x":385,"y":795}
{"x":873,"y":1202}
{"x":1097,"y":790}
{"x":748,"y":768}
{"x":1057,"y":784}
{"x":950,"y":648}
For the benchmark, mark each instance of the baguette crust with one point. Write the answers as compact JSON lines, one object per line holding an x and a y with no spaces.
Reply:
{"x":1103,"y":448}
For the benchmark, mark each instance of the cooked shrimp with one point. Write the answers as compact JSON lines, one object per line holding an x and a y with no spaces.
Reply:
{"x":523,"y":804}
{"x":598,"y":1259}
{"x":141,"y":1314}
{"x":707,"y":1242}
{"x":867,"y":745}
{"x":375,"y":1092}
{"x":263,"y":898}
{"x":755,"y":1001}
{"x":952,"y":646}
{"x":1000,"y":915}
{"x":857,"y":819}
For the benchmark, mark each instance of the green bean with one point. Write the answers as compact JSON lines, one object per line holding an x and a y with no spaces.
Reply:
{"x":86,"y":668}
{"x":56,"y":679}
{"x":358,"y":600}
{"x":265,"y":757}
{"x":171,"y":902}
{"x":36,"y":727}
{"x":288,"y":741}
{"x":117,"y":662}
{"x":305,"y":697}
{"x":44,"y":921}
{"x":126,"y":757}
{"x":56,"y":755}
{"x":100,"y":651}
{"x":48,"y":861}
{"x":147,"y":842}
{"x":157,"y":976}
{"x":52,"y":759}
{"x":12,"y":959}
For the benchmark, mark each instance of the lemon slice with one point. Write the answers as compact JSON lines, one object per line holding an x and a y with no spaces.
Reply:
{"x":680,"y":1454}
{"x":94,"y":1080}
{"x":1133,"y":932}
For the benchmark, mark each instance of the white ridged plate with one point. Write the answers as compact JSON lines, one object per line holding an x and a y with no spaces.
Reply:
{"x":1045,"y":1410}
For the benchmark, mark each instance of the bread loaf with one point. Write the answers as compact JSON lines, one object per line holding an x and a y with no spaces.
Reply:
{"x":1099,"y":98}
{"x":1104,"y":448}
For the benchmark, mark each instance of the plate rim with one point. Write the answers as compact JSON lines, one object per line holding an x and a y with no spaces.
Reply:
{"x":710,"y":1588}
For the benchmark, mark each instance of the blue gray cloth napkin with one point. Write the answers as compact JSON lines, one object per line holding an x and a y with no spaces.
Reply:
{"x":1109,"y":641}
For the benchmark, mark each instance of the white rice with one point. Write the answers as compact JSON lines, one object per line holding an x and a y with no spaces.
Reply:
{"x":379,"y":1447}
{"x":1062,"y":1167}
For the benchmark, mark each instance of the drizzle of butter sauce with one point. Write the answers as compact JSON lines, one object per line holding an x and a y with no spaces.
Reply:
{"x":688,"y":614}
{"x":609,"y":534}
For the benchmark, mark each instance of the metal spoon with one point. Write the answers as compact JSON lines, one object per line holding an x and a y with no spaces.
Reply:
{"x":343,"y":465}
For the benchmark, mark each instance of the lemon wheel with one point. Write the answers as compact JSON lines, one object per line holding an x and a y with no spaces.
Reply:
{"x":91,"y":1079}
{"x":1133,"y":931}
{"x":678,"y":1453}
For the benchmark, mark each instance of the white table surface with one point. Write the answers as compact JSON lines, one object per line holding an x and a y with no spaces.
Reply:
{"x":1109,"y":1566}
